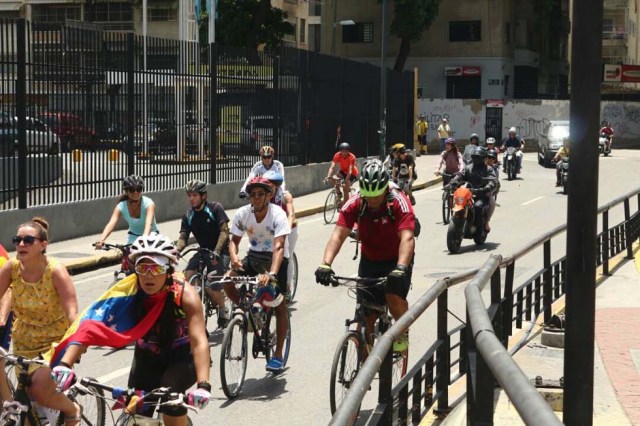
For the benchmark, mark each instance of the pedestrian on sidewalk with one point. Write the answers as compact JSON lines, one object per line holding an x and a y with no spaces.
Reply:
{"x":137,"y":210}
{"x":422,"y":125}
{"x":444,"y":132}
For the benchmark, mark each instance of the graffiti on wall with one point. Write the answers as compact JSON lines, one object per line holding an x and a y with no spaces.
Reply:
{"x":624,"y":118}
{"x":531,"y":127}
{"x":462,"y":119}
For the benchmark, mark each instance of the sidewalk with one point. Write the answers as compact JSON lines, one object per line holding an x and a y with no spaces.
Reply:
{"x":78,"y":254}
{"x":616,"y":358}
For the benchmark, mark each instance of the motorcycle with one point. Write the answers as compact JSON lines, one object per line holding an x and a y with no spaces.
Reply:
{"x":602,"y":143}
{"x":510,"y":162}
{"x":462,"y":223}
{"x":564,"y":175}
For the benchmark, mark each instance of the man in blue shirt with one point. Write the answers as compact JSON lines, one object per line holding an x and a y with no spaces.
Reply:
{"x":516,"y":142}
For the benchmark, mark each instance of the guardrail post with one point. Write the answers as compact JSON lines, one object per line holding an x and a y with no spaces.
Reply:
{"x":131,"y":96}
{"x":21,"y":110}
{"x":500,"y":317}
{"x":213,"y":112}
{"x":443,"y":355}
{"x":605,"y":242}
{"x":627,"y":229}
{"x":384,"y":388}
{"x":479,"y":385}
{"x":547,"y":286}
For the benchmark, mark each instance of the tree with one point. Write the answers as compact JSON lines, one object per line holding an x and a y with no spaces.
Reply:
{"x":248,"y":24}
{"x":412,"y":18}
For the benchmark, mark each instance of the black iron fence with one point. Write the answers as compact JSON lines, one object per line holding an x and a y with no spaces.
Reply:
{"x":81,"y":107}
{"x":462,"y":351}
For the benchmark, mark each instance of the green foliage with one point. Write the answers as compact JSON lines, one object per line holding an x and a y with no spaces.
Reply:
{"x":413,"y":18}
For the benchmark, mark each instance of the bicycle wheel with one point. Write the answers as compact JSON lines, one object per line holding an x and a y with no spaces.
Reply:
{"x":399,"y":369}
{"x":233,"y":357}
{"x":197,"y":282}
{"x":347,"y":361}
{"x":269,"y":337}
{"x":446,"y":208}
{"x":93,"y":406}
{"x":330,"y":207}
{"x":293,"y":285}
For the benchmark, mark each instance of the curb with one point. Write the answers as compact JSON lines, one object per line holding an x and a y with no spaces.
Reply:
{"x":91,"y":263}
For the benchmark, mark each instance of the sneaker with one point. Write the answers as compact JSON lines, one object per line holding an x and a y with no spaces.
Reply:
{"x":402,"y":344}
{"x":275,"y":365}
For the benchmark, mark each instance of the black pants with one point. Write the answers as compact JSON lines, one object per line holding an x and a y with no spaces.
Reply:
{"x":479,"y":207}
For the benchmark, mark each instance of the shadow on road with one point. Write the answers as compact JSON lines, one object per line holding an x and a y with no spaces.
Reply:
{"x":263,"y":390}
{"x":486,"y":247}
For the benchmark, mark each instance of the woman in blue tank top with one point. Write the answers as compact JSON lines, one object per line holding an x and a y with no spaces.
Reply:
{"x":136,"y":209}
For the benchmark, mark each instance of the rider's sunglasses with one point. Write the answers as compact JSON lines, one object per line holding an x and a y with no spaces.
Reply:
{"x":152,"y":268}
{"x":134,"y":189}
{"x":27,"y":240}
{"x":267,"y":156}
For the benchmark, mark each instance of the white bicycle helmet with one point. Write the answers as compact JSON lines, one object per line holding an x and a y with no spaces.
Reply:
{"x":154,"y":245}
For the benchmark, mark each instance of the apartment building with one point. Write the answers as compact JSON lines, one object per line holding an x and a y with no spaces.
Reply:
{"x":620,"y":46}
{"x":474,"y":49}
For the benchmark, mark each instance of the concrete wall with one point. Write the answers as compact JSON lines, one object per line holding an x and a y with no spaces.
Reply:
{"x":468,"y":116}
{"x":73,"y":220}
{"x":40,"y":171}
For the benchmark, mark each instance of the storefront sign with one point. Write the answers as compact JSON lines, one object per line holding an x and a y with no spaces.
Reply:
{"x":621,"y":73}
{"x":462,"y":71}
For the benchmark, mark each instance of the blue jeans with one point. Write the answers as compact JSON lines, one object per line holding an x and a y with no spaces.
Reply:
{"x":442,"y":144}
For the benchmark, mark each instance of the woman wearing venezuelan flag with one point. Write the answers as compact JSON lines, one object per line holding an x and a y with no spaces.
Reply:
{"x":155,"y":309}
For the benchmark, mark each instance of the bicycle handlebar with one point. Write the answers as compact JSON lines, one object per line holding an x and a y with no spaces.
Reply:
{"x":197,"y":249}
{"x":360,"y":280}
{"x":19,"y":359}
{"x":236,"y":280}
{"x":107,"y":246}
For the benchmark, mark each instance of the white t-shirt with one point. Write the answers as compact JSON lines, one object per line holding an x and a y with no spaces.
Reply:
{"x":261,"y":235}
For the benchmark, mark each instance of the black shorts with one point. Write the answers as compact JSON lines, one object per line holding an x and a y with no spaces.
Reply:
{"x":174,"y":369}
{"x":218,"y":269}
{"x":343,"y":175}
{"x":422,"y":139}
{"x":379,"y":269}
{"x":256,"y":263}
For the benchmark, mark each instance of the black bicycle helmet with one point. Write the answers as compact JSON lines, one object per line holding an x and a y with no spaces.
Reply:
{"x":196,"y":185}
{"x":492,"y":154}
{"x":344,"y":146}
{"x":133,"y":181}
{"x":478,"y":155}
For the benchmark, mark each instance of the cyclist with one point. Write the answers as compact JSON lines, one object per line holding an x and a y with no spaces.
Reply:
{"x":386,"y":224}
{"x":404,"y":170}
{"x":173,"y":351}
{"x":267,"y":227}
{"x":393,"y":154}
{"x":451,"y":159}
{"x":208,"y":222}
{"x":45,"y":304}
{"x":348,"y":170}
{"x":261,"y":167}
{"x":284,"y":199}
{"x":137,"y":210}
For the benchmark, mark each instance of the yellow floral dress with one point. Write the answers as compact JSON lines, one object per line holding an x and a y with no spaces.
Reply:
{"x":40,"y":319}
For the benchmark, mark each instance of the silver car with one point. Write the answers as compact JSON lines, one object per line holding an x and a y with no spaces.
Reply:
{"x":40,"y":138}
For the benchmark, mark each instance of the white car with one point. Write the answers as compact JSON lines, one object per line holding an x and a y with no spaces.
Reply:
{"x":40,"y":139}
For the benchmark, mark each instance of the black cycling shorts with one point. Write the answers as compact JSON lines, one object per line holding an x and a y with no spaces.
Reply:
{"x":174,"y":369}
{"x":219,"y":269}
{"x":379,"y":269}
{"x":256,"y":263}
{"x":343,"y":175}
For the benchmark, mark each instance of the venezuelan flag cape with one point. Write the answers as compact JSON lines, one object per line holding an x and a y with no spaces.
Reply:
{"x":109,"y":321}
{"x":4,"y":256}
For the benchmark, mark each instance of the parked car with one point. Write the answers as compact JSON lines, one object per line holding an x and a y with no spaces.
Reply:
{"x":71,"y":130}
{"x":550,"y":141}
{"x":160,"y":140}
{"x":40,"y":139}
{"x":258,"y":131}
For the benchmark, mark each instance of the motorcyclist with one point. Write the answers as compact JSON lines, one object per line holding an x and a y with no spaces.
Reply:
{"x":482,"y":180}
{"x":492,"y":161}
{"x":514,"y":141}
{"x":474,"y":141}
{"x":607,"y":130}
{"x":562,"y":153}
{"x":491,"y":144}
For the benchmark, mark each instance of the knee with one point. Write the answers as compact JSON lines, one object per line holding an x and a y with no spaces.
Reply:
{"x":42,"y":387}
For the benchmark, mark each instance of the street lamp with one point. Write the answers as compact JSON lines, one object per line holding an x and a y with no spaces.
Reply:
{"x":383,"y":81}
{"x":335,"y":24}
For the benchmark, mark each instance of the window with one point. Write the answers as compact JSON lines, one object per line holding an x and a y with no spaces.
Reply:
{"x":55,"y":14}
{"x":291,"y":38}
{"x":507,"y":33}
{"x":163,"y":14}
{"x":465,"y":31}
{"x":110,"y":12}
{"x":303,"y":30}
{"x":361,"y":32}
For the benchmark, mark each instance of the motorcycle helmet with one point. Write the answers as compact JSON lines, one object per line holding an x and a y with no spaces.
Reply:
{"x":492,"y":154}
{"x":344,"y":146}
{"x":266,"y":151}
{"x":374,"y":179}
{"x":154,"y":246}
{"x":196,"y":185}
{"x":474,"y":136}
{"x":512,"y":130}
{"x":133,"y":181}
{"x":478,"y":155}
{"x":450,"y":141}
{"x":491,"y":141}
{"x":274,"y":177}
{"x":259,"y":182}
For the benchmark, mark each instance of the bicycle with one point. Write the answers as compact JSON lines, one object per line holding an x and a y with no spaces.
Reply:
{"x":134,"y":402}
{"x":332,"y":204}
{"x":249,"y":317}
{"x":22,"y":411}
{"x":293,"y":284}
{"x":354,"y":346}
{"x":447,"y":198}
{"x":199,"y":281}
{"x":126,"y":267}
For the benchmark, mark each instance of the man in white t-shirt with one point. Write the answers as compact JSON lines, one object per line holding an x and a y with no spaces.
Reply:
{"x":267,"y":226}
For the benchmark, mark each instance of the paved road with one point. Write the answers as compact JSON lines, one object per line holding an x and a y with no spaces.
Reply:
{"x":528,"y":207}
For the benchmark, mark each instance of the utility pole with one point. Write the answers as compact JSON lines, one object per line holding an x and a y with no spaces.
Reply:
{"x":582,"y":213}
{"x":383,"y":81}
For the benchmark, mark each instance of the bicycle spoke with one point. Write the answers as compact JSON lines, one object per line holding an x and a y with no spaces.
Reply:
{"x":233,"y":358}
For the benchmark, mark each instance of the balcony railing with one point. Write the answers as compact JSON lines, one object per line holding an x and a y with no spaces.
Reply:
{"x":614,"y":34}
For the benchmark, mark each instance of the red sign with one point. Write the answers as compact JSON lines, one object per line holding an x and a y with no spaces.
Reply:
{"x":631,"y":73}
{"x":495,"y":103}
{"x":462,"y":71}
{"x":622,"y":73}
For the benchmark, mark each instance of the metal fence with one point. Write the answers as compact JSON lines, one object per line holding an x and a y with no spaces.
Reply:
{"x":461,"y":351}
{"x":81,"y":107}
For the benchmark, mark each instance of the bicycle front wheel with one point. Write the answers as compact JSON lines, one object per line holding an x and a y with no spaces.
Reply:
{"x":347,"y":361}
{"x":270,"y":337}
{"x":446,"y":208}
{"x":197,"y":281}
{"x":92,"y":403}
{"x":293,"y":285}
{"x":330,"y":207}
{"x":233,"y":357}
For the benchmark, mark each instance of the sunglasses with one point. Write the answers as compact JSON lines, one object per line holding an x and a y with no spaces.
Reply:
{"x":152,"y":268}
{"x":267,"y":156}
{"x":134,"y":189}
{"x":27,"y":240}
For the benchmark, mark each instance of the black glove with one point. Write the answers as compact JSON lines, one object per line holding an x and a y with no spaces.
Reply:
{"x":324,"y":275}
{"x":242,"y":195}
{"x":215,"y":257}
{"x":397,"y":276}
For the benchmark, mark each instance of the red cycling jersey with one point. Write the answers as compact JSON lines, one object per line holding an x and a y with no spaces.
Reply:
{"x":607,"y":131}
{"x":379,"y":229}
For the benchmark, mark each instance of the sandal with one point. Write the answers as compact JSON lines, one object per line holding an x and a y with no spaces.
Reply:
{"x":75,"y":420}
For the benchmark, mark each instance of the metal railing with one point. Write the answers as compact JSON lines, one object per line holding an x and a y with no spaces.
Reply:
{"x":483,"y":355}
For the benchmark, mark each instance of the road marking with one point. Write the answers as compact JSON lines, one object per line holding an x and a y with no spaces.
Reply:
{"x":114,"y":374}
{"x":532,"y":201}
{"x":93,"y":278}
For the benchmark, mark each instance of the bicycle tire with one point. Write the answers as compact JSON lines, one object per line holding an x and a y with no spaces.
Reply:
{"x":446,"y":208}
{"x":342,"y":370}
{"x":293,"y":285}
{"x":268,"y":336}
{"x":93,"y":406}
{"x":330,"y":207}
{"x":231,"y":386}
{"x":197,"y":282}
{"x":129,"y":420}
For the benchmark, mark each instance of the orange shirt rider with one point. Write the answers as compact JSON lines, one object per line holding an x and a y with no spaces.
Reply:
{"x":344,"y":161}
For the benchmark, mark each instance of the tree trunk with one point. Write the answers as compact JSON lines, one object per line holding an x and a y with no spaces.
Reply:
{"x":403,"y":54}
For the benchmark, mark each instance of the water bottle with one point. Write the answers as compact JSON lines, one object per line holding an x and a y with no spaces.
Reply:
{"x":257,"y":314}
